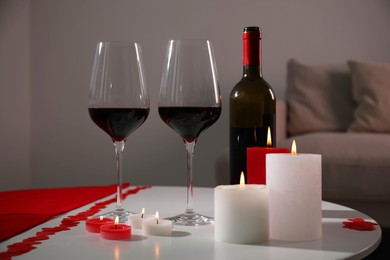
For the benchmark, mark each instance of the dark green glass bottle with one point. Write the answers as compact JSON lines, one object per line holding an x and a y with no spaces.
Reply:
{"x":252,"y":106}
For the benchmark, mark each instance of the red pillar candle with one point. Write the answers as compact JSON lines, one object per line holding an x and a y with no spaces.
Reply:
{"x":115,"y":231}
{"x":93,"y":224}
{"x":256,"y":161}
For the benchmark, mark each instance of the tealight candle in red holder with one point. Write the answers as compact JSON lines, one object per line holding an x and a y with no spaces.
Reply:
{"x":93,"y":224}
{"x":115,"y":231}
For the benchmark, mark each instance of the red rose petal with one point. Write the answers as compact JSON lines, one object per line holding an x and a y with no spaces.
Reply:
{"x":28,"y":242}
{"x":5,"y":256}
{"x":359,"y":224}
{"x":42,"y":237}
{"x":45,"y":233}
{"x":63,"y":227}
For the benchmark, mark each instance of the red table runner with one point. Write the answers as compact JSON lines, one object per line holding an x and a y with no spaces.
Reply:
{"x":23,"y":209}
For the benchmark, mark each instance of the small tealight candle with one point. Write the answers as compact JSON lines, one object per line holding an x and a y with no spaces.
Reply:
{"x":136,"y":220}
{"x":256,"y":160}
{"x":157,"y":227}
{"x":93,"y":224}
{"x":115,"y":231}
{"x":294,"y":182}
{"x":241,"y":213}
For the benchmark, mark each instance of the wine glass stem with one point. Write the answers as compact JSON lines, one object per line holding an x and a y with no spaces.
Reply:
{"x":190,"y":195}
{"x":119,"y":147}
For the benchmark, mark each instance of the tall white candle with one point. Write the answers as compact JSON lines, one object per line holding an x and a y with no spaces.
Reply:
{"x":241,"y":213}
{"x":294,"y":182}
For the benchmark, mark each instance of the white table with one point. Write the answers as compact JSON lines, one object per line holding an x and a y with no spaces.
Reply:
{"x":198,"y":242}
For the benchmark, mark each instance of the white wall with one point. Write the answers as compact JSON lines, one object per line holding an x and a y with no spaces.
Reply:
{"x":68,"y":149}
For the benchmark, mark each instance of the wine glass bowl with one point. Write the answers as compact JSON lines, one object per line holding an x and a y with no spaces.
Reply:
{"x":118,"y":123}
{"x":189,"y":103}
{"x":118,"y":100}
{"x":189,"y":122}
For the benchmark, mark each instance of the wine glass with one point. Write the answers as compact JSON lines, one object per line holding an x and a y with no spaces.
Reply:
{"x":189,"y":103}
{"x":118,"y":100}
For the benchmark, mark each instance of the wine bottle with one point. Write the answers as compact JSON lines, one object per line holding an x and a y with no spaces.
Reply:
{"x":252,"y":106}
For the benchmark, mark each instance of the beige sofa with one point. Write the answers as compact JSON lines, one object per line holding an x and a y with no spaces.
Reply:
{"x":342,"y":112}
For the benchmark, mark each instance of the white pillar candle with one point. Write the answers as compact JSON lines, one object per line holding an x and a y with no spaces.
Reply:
{"x":241,"y":213}
{"x":135,"y":221}
{"x":294,"y":182}
{"x":157,"y":227}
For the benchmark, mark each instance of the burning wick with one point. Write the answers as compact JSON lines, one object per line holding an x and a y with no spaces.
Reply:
{"x":142,"y":212}
{"x":116,"y":222}
{"x":157,"y":216}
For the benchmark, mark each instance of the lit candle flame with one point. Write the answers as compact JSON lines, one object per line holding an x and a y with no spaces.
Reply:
{"x":142,"y":212}
{"x":116,"y":220}
{"x":101,"y":218}
{"x":294,"y":147}
{"x":242,"y":181}
{"x":157,"y":216}
{"x":269,"y":138}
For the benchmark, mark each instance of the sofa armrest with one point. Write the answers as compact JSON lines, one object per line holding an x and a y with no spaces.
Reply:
{"x":281,"y":120}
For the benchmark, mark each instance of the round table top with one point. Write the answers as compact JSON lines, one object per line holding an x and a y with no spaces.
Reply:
{"x":198,"y":242}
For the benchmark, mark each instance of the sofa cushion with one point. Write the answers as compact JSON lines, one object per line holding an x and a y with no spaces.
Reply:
{"x":371,"y":89}
{"x":355,"y":166}
{"x":319,"y":98}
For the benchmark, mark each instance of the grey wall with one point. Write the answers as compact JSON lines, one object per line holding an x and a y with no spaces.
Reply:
{"x":46,"y":133}
{"x":15,"y":95}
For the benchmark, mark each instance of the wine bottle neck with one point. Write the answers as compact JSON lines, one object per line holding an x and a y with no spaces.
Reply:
{"x":252,"y":71}
{"x":252,"y":53}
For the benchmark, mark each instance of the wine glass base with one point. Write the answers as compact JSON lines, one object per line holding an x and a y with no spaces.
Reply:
{"x":191,"y":219}
{"x":123,"y":215}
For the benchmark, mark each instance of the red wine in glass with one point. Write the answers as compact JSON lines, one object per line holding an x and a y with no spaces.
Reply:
{"x":118,"y":123}
{"x":189,"y":122}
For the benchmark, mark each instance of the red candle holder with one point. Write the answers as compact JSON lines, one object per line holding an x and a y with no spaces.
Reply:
{"x":115,"y":232}
{"x":93,"y":224}
{"x":256,"y":161}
